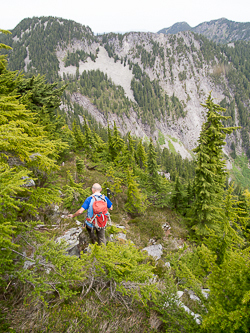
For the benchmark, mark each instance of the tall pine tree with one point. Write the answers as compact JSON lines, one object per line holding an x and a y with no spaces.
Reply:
{"x":141,"y":156}
{"x":153,"y":176}
{"x":210,"y":173}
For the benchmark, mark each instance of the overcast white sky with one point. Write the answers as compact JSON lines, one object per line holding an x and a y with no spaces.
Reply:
{"x":127,"y":15}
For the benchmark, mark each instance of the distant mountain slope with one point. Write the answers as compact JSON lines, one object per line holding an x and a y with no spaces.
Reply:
{"x":175,"y":28}
{"x":219,"y":31}
{"x":149,"y":84}
{"x":224,"y":31}
{"x":34,"y":41}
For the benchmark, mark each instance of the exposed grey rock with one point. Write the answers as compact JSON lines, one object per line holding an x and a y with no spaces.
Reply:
{"x":73,"y":249}
{"x":173,"y":244}
{"x":167,"y":264}
{"x":27,"y":264}
{"x":121,"y":235}
{"x":180,"y":293}
{"x":118,"y":236}
{"x":154,"y":251}
{"x":120,"y":226}
{"x":72,"y":238}
{"x":83,"y":241}
{"x":56,"y":208}
{"x":205,"y":292}
{"x":193,"y":296}
{"x":29,"y":182}
{"x":33,"y":156}
{"x":39,"y":226}
{"x":166,"y":174}
{"x":111,"y":238}
{"x":196,"y":316}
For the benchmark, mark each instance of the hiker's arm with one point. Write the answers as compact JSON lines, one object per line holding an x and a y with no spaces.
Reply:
{"x":80,"y":211}
{"x":109,"y":203}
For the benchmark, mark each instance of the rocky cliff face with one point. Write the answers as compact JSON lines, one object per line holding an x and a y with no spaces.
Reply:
{"x":178,"y":72}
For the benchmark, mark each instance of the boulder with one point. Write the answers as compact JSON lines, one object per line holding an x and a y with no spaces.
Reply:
{"x":154,"y":251}
{"x":74,"y":240}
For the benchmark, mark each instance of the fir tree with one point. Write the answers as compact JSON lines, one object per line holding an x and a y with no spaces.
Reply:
{"x":111,"y":151}
{"x":210,"y":173}
{"x":89,"y":142}
{"x":78,"y":136}
{"x":178,"y":195}
{"x":190,"y":194}
{"x":152,"y":168}
{"x":141,"y":156}
{"x":125,"y":160}
{"x":117,"y":141}
{"x":27,"y":151}
{"x":131,"y":148}
{"x":136,"y":200}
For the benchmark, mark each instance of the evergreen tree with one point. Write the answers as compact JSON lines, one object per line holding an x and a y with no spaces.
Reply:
{"x":178,"y":195}
{"x":80,"y":167}
{"x":78,"y":136}
{"x":152,"y":167}
{"x":131,"y":147}
{"x":136,"y":200}
{"x":117,"y":141}
{"x":89,"y":142}
{"x":43,"y":99}
{"x":210,"y":173}
{"x":124,"y":159}
{"x":111,"y":151}
{"x":190,"y":194}
{"x":27,"y":151}
{"x":141,"y":155}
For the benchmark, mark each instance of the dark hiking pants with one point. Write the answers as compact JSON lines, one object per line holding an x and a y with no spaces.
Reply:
{"x":99,"y":233}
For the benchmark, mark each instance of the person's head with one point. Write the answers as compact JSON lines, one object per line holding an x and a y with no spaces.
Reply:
{"x":96,"y":188}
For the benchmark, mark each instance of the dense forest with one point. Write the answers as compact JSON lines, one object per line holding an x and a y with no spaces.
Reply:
{"x":47,"y":168}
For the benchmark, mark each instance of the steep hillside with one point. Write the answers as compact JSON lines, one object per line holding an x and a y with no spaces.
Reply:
{"x":219,"y":31}
{"x":149,"y":84}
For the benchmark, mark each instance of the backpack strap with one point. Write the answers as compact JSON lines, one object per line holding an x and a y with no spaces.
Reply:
{"x":102,"y":197}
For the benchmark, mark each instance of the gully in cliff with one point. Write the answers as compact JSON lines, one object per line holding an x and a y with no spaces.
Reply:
{"x":97,"y":206}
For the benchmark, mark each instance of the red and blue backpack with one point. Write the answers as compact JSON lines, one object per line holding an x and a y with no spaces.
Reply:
{"x":100,"y":212}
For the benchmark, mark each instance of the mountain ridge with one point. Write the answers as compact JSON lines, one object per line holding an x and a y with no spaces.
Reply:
{"x":220,"y":31}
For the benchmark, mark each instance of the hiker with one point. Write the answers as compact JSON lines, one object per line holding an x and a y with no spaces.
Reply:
{"x":98,"y":220}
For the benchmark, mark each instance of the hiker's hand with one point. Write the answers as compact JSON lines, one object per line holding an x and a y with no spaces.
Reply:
{"x":111,"y":208}
{"x":70,"y":215}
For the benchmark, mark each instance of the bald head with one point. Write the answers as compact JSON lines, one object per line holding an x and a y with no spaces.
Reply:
{"x":96,"y":188}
